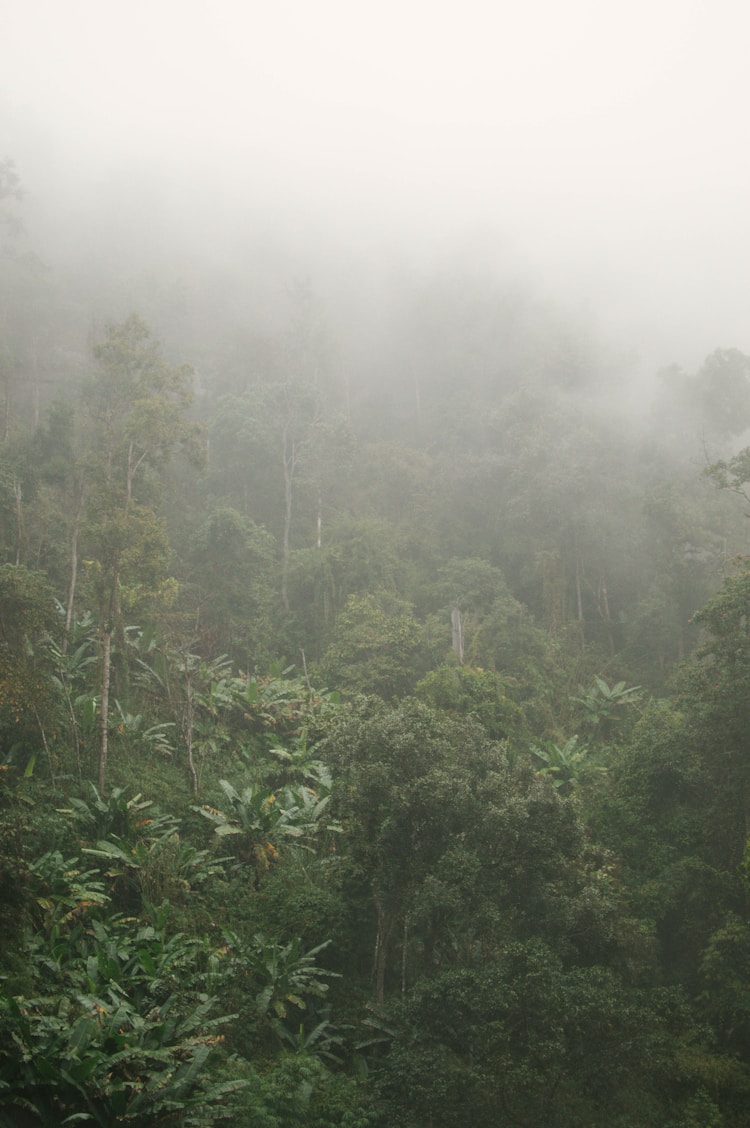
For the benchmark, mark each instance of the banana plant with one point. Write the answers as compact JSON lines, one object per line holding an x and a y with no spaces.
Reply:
{"x":117,"y":1032}
{"x":279,"y":976}
{"x":73,"y":660}
{"x":114,"y":814}
{"x":197,"y":694}
{"x":319,"y":1038}
{"x":264,"y":819}
{"x":143,"y":852}
{"x":217,"y":714}
{"x":63,"y":890}
{"x":564,"y":763}
{"x":151,"y":738}
{"x":157,"y":867}
{"x":603,"y":704}
{"x":299,"y":763}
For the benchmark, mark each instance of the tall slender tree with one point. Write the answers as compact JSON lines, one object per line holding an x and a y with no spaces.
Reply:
{"x":135,"y":419}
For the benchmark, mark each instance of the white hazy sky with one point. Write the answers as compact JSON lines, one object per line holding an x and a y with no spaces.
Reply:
{"x":606,"y":143}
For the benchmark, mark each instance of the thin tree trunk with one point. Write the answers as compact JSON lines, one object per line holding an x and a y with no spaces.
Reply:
{"x":108,"y":629}
{"x":104,"y":706}
{"x":73,"y":721}
{"x":304,"y":670}
{"x":189,"y":722}
{"x":579,"y":598}
{"x":73,"y":570}
{"x":382,"y":946}
{"x":6,"y":410}
{"x":289,"y":459}
{"x":457,"y":625}
{"x":134,"y":464}
{"x":603,"y":604}
{"x":46,"y":747}
{"x":347,"y":389}
{"x":35,"y":383}
{"x":20,"y":526}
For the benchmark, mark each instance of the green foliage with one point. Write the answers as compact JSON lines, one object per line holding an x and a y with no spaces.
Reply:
{"x":297,"y":1089}
{"x":725,"y":984}
{"x":487,"y":851}
{"x":117,"y":1028}
{"x":299,"y":763}
{"x":471,"y":584}
{"x":566,"y":764}
{"x":128,"y":549}
{"x":139,"y":400}
{"x":268,"y":722}
{"x":604,"y":705}
{"x":715,"y":697}
{"x":143,"y":854}
{"x":497,"y":629}
{"x":232,"y":562}
{"x":554,"y":927}
{"x":27,"y":609}
{"x":263,"y":820}
{"x":358,"y":555}
{"x":74,"y":661}
{"x":373,"y":647}
{"x":158,"y":866}
{"x":113,"y":814}
{"x":731,"y":474}
{"x":276,"y":976}
{"x":522,"y":1039}
{"x":484,"y":694}
{"x":27,"y":618}
{"x":284,"y":706}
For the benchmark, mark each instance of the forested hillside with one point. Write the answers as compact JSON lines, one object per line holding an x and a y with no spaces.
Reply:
{"x":374,"y":710}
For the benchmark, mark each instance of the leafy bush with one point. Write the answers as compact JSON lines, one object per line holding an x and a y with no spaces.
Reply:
{"x":118,"y":1029}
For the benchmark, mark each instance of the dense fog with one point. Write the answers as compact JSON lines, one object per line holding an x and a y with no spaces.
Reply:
{"x":582,"y":157}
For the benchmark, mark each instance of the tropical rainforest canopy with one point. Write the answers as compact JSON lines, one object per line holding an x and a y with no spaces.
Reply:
{"x":374,"y":736}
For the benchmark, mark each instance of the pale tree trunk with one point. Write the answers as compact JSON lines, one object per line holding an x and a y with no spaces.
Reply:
{"x":72,"y":584}
{"x":110,"y":621}
{"x":347,"y":388}
{"x":457,"y":625}
{"x":602,"y":600}
{"x":7,"y":380}
{"x":46,"y":747}
{"x":294,"y":438}
{"x":104,"y":707}
{"x":35,"y":383}
{"x":306,"y":675}
{"x":579,"y":598}
{"x":289,"y":460}
{"x":73,"y":570}
{"x":134,"y":464}
{"x":6,"y":409}
{"x":189,"y":728}
{"x":73,"y":723}
{"x":552,"y":571}
{"x":20,"y":525}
